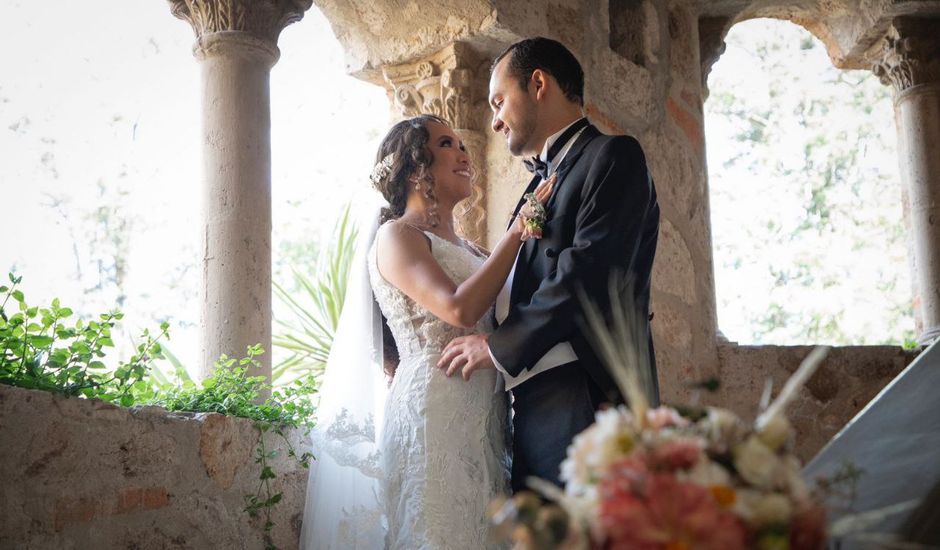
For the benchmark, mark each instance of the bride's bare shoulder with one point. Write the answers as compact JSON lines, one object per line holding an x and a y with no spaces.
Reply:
{"x":397,"y":237}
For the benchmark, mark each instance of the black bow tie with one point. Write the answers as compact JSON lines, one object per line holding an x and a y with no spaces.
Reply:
{"x":537,"y":166}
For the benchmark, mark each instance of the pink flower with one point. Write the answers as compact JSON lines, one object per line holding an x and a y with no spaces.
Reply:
{"x":640,"y":510}
{"x":664,"y":417}
{"x":676,"y":454}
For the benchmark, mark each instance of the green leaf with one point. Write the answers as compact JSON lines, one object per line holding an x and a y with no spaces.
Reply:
{"x":18,"y":295}
{"x":41,"y":341}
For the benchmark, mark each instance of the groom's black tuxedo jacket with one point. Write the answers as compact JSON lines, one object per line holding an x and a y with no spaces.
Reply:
{"x":602,"y":217}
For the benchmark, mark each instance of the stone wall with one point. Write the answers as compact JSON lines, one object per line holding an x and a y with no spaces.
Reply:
{"x":82,"y":474}
{"x":643,"y":78}
{"x":848,"y":379}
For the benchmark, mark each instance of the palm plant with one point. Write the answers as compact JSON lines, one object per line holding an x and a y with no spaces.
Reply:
{"x":314,"y":308}
{"x":171,"y":372}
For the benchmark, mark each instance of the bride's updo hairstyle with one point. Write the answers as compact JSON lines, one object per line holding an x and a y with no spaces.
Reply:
{"x":404,"y":153}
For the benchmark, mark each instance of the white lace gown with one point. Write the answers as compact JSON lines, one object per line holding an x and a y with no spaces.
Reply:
{"x":445,"y":441}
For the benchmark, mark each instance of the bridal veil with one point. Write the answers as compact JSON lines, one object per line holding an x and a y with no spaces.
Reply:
{"x":343,"y":505}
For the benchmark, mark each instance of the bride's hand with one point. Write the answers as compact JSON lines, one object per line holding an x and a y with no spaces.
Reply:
{"x":542,"y":193}
{"x":544,"y":190}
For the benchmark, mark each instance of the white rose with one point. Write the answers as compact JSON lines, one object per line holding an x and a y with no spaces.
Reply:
{"x":756,"y":463}
{"x":706,"y":473}
{"x":722,"y":428}
{"x":597,"y":447}
{"x":772,"y":509}
{"x":775,"y":432}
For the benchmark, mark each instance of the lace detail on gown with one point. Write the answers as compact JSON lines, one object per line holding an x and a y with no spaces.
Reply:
{"x":445,"y":441}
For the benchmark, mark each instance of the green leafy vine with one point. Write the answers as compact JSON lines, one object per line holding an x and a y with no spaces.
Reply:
{"x":41,"y":349}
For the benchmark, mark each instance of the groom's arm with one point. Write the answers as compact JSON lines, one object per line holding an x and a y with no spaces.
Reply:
{"x":615,"y":203}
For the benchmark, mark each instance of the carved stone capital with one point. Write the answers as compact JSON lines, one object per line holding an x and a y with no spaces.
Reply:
{"x":441,"y":85}
{"x":911,"y":54}
{"x":262,"y":19}
{"x":446,"y":84}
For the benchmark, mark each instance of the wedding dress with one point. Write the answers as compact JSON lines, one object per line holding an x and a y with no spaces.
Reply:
{"x":415,"y":465}
{"x":445,"y":441}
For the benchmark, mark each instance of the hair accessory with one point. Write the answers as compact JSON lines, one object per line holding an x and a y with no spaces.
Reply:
{"x":382,"y":169}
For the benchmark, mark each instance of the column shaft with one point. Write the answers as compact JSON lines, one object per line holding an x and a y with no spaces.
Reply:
{"x":236,"y":43}
{"x":236,"y":196}
{"x":918,"y":119}
{"x":910,"y":63}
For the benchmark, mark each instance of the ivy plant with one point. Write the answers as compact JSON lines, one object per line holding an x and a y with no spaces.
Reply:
{"x":42,"y":348}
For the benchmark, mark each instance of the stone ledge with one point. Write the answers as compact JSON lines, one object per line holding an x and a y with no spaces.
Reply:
{"x":81,"y":473}
{"x":850,"y":377}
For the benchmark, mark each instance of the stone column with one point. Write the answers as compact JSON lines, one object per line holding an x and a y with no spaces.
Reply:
{"x":446,"y":84}
{"x":236,"y":43}
{"x":911,"y":64}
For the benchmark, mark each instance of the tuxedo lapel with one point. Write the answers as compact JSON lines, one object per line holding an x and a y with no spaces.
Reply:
{"x":589,"y":133}
{"x":528,"y":252}
{"x":530,"y":188}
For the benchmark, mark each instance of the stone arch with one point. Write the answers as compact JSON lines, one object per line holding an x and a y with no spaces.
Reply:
{"x":897,"y":41}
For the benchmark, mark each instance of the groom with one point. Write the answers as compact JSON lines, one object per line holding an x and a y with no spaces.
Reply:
{"x":602,"y":218}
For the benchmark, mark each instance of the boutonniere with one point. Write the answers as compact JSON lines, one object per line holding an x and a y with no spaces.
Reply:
{"x":533,"y":211}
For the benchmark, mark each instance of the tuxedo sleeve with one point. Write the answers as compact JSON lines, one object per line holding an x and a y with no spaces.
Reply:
{"x":615,"y":203}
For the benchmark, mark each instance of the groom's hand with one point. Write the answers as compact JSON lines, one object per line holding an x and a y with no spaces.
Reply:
{"x":466,"y":354}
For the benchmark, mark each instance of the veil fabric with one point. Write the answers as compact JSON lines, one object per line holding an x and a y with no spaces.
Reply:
{"x":343,"y":507}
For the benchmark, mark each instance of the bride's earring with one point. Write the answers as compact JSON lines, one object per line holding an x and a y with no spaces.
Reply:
{"x":431,"y":216}
{"x":417,"y":187}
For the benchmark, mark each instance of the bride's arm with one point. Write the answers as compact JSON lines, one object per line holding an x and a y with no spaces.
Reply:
{"x":405,"y":261}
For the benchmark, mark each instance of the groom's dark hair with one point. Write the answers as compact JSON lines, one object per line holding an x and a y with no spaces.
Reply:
{"x":552,"y":57}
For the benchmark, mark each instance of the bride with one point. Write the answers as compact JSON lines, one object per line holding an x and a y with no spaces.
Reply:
{"x":414,"y":463}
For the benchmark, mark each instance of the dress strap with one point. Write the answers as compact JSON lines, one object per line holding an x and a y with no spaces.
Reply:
{"x":427,"y":234}
{"x":476,"y":249}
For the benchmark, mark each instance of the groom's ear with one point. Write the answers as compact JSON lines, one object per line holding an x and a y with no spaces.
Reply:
{"x":537,"y":82}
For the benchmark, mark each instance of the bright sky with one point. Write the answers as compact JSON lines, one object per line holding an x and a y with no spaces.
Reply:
{"x":111,"y":94}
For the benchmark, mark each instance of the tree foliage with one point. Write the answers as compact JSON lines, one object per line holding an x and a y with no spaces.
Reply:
{"x":806,"y":199}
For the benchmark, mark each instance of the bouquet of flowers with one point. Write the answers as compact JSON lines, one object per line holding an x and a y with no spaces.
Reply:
{"x":664,"y":478}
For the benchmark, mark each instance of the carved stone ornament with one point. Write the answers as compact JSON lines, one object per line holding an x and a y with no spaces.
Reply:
{"x":911,"y":55}
{"x":439,"y":85}
{"x":442,"y":85}
{"x":263,"y":19}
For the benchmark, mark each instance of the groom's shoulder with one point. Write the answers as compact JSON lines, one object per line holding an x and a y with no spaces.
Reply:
{"x":616,"y":146}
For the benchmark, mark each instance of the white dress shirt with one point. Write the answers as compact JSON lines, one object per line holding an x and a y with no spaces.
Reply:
{"x":562,"y":352}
